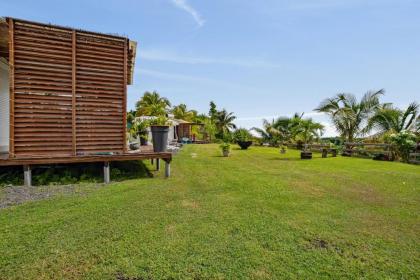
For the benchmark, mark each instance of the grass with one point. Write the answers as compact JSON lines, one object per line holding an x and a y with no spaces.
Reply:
{"x":255,"y":215}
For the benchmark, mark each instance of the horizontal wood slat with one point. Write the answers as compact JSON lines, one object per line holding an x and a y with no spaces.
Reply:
{"x":69,"y":91}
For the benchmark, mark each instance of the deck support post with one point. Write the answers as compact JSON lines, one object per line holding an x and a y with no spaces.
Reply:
{"x":152,"y":161}
{"x":27,"y":175}
{"x":167,"y":168}
{"x":157,"y":164}
{"x":107,"y":177}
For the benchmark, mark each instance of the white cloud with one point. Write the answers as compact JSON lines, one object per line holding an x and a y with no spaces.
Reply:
{"x":183,"y":5}
{"x":167,"y":56}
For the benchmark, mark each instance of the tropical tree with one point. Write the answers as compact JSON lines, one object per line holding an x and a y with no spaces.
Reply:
{"x":210,"y":129}
{"x":213,"y":111}
{"x":181,"y":112}
{"x":307,"y":130}
{"x":152,"y":104}
{"x":350,"y":116}
{"x":224,"y":122}
{"x":268,"y":133}
{"x":286,"y":127}
{"x":201,"y":118}
{"x":388,"y":118}
{"x":282,"y":129}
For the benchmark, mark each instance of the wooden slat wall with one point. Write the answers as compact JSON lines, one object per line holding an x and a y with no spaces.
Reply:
{"x":69,"y":91}
{"x":100,"y":94}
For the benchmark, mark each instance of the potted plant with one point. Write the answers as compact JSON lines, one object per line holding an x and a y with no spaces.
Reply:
{"x":140,"y":128}
{"x":243,"y":138}
{"x":283,"y":149}
{"x":225,"y":147}
{"x":306,"y":152}
{"x":160,"y":130}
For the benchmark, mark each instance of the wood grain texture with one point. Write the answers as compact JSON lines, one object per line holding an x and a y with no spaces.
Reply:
{"x":68,"y":91}
{"x":12,"y":89}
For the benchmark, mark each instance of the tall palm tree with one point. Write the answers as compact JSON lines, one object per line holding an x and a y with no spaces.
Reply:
{"x":181,"y":112}
{"x":350,"y":116}
{"x":391,"y":119}
{"x":152,"y":104}
{"x":224,"y":122}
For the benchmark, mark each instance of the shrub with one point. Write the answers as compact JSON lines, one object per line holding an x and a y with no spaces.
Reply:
{"x":403,"y":143}
{"x":242,"y":135}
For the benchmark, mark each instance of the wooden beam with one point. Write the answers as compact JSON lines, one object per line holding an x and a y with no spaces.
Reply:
{"x":80,"y":159}
{"x":73,"y":89}
{"x":11,"y":89}
{"x":125,"y":97}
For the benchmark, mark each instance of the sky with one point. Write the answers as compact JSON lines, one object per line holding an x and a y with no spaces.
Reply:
{"x":256,"y":58}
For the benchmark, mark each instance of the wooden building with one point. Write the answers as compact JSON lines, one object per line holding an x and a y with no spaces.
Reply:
{"x":66,"y":95}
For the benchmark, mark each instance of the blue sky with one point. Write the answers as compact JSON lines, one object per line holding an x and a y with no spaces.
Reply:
{"x":259,"y":59}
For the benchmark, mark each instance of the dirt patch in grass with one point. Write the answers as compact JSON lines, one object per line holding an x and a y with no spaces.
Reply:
{"x":344,"y":250}
{"x":190,"y":204}
{"x":261,"y":274}
{"x":14,"y":195}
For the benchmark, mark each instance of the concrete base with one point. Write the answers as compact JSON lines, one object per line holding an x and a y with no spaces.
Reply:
{"x":107,"y":176}
{"x":27,"y":175}
{"x":167,"y":169}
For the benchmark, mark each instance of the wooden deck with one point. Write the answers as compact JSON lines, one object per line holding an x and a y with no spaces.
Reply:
{"x":29,"y":162}
{"x":136,"y":155}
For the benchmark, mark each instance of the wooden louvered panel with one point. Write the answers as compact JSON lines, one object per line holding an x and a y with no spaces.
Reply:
{"x":42,"y":97}
{"x":99,"y":94}
{"x":69,"y":91}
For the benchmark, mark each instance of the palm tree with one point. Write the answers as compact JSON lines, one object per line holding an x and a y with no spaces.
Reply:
{"x":269,"y":133}
{"x":152,"y":104}
{"x":350,"y":117}
{"x":224,"y":122}
{"x":286,"y":127}
{"x":391,"y":119}
{"x":181,"y":112}
{"x":307,"y":130}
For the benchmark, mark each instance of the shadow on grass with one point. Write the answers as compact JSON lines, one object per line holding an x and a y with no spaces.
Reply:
{"x":64,"y":174}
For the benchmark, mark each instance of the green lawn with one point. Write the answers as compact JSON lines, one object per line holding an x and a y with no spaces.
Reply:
{"x":255,"y":215}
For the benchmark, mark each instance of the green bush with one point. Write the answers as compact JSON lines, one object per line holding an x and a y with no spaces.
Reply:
{"x":403,"y":143}
{"x":242,"y":135}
